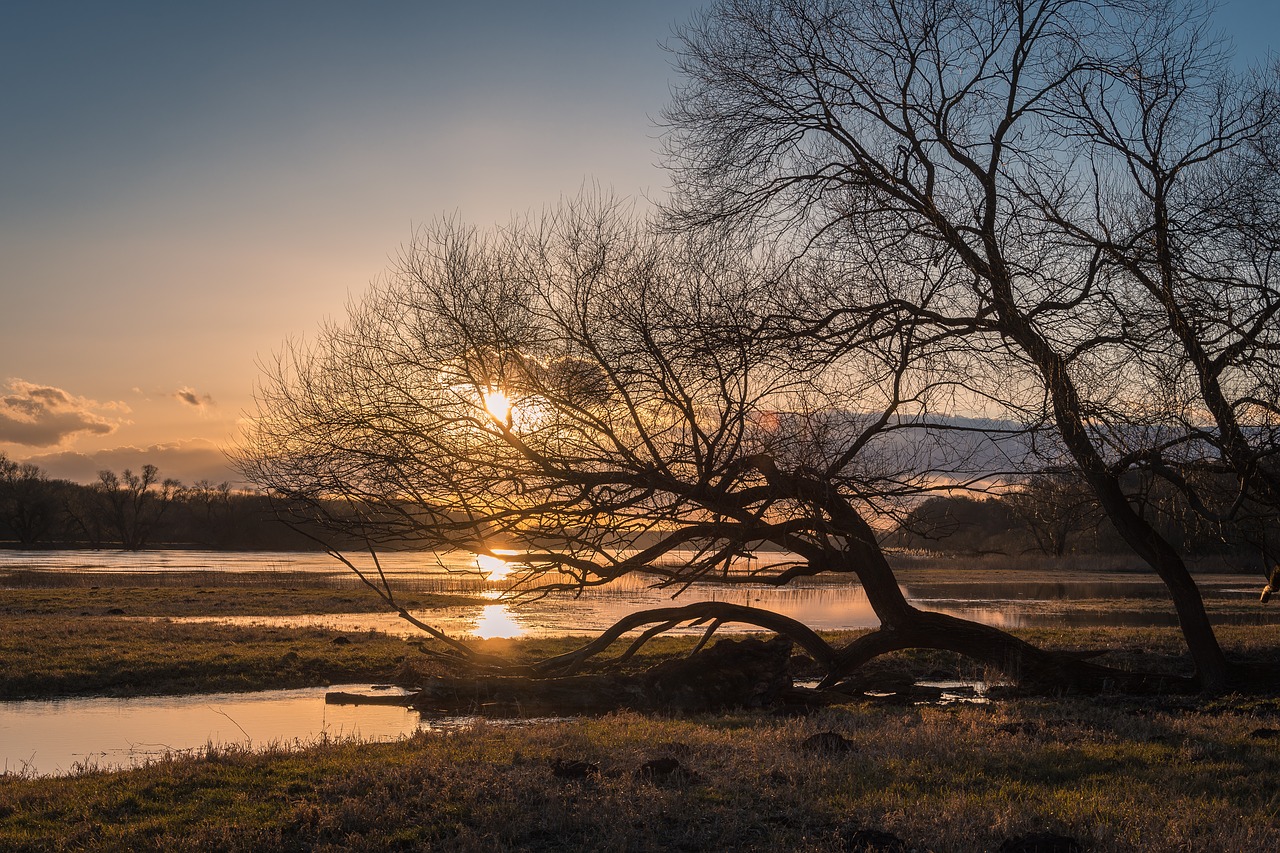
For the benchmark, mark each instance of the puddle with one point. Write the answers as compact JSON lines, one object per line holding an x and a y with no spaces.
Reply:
{"x":957,"y":692}
{"x":62,"y":736}
{"x":932,"y":692}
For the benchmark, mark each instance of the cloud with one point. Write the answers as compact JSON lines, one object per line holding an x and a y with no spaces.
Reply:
{"x":44,"y":416}
{"x":191,"y":398}
{"x":189,"y":461}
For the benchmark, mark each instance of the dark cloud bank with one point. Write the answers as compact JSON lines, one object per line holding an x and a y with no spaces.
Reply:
{"x":44,"y":416}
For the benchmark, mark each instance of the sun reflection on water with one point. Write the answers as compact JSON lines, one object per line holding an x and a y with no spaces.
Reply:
{"x":494,"y":568}
{"x":497,"y":622}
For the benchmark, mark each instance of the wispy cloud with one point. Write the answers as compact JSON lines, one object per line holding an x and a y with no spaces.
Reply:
{"x":191,"y":398}
{"x":45,"y":416}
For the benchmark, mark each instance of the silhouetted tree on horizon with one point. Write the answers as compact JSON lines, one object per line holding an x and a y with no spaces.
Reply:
{"x":588,"y":400}
{"x":28,"y":506}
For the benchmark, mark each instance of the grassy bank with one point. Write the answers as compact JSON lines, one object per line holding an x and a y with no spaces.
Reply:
{"x":78,"y":633}
{"x":1113,"y":777}
{"x":36,"y":593}
{"x":52,"y":656}
{"x":46,"y":656}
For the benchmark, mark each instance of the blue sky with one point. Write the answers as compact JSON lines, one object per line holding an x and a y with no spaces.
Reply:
{"x":185,"y":185}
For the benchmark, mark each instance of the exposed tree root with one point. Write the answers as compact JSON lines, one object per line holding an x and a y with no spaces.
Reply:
{"x":1031,"y":667}
{"x":717,"y":612}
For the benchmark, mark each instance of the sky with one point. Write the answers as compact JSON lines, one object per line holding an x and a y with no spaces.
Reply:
{"x":186,"y":186}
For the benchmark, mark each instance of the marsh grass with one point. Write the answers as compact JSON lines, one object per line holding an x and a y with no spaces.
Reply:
{"x":984,"y":564}
{"x":54,"y":579}
{"x":1115,"y":776}
{"x":47,"y":656}
{"x":31,"y":592}
{"x":209,"y":601}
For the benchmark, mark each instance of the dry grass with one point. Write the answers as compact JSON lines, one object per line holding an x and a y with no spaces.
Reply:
{"x":1117,"y":775}
{"x":983,"y":565}
{"x":202,"y":593}
{"x":209,"y":601}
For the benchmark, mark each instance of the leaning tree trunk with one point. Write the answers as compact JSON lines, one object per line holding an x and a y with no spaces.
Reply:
{"x":1028,"y":665}
{"x":1211,"y":664}
{"x":903,"y":626}
{"x":1146,"y":541}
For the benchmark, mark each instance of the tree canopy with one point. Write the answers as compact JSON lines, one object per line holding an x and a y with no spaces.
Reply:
{"x":1090,"y":183}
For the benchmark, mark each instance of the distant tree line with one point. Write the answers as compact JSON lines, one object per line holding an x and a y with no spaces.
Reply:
{"x":1055,"y":513}
{"x":134,"y":510}
{"x":1050,"y":512}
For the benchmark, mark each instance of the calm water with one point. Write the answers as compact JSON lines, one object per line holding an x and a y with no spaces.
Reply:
{"x":50,"y":738}
{"x":1039,"y":600}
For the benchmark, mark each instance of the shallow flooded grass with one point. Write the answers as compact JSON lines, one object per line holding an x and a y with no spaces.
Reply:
{"x":48,"y":656}
{"x":1112,"y":773}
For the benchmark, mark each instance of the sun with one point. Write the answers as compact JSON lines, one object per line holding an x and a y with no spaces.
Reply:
{"x":497,"y":405}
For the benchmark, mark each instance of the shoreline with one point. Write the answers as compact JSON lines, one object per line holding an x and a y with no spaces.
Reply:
{"x":134,"y":634}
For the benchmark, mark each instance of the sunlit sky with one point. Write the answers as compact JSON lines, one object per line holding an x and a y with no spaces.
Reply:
{"x":184,"y":186}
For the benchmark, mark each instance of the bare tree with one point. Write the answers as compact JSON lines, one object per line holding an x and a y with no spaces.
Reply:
{"x":213,"y":509}
{"x":1056,"y":507}
{"x":28,"y":503}
{"x":130,"y":506}
{"x":593,"y":401}
{"x":1046,"y":160}
{"x":1180,"y":199}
